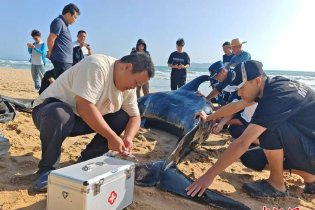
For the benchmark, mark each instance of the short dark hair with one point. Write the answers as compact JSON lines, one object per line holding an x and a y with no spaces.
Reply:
{"x":72,"y":8}
{"x":140,"y":62}
{"x":35,"y":33}
{"x":81,"y":31}
{"x":226,"y":44}
{"x":180,"y":42}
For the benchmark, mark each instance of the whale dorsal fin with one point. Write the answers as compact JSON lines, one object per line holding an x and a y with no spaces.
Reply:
{"x":193,"y":85}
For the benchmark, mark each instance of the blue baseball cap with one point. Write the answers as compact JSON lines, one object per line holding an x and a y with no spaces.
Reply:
{"x":215,"y":68}
{"x":246,"y":71}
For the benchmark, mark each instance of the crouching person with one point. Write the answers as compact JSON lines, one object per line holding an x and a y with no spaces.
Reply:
{"x":284,"y":124}
{"x":98,"y":95}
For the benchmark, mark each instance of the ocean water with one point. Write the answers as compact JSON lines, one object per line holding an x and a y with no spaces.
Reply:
{"x":161,"y":81}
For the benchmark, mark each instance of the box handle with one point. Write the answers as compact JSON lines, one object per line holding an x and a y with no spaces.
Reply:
{"x":88,"y":167}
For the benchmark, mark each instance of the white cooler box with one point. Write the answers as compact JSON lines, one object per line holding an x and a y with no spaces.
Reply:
{"x":101,"y":183}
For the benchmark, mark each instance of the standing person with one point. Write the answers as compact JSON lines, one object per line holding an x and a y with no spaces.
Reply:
{"x":80,"y":48}
{"x":60,"y":47}
{"x":284,"y":124}
{"x":239,"y":55}
{"x":38,"y":51}
{"x":179,"y":61}
{"x":142,"y":47}
{"x":227,"y":53}
{"x":95,"y":96}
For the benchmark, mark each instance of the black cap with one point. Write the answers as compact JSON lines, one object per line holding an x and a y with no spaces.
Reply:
{"x":180,"y":42}
{"x":226,"y":44}
{"x":247,"y":71}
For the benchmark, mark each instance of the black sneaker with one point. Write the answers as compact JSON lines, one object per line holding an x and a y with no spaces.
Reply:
{"x":309,"y":188}
{"x":263,"y":188}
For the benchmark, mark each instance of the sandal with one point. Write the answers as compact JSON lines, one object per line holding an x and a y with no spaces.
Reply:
{"x":263,"y":188}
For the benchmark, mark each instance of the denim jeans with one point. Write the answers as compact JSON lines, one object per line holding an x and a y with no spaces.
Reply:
{"x":37,"y":75}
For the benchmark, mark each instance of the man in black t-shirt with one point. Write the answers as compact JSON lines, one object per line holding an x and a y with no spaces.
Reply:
{"x":179,"y":61}
{"x":284,"y":124}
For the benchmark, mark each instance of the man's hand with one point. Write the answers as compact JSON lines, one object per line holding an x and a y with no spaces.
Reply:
{"x":217,"y":128}
{"x":203,"y":116}
{"x":198,"y":93}
{"x":200,"y":185}
{"x":48,"y":54}
{"x":128,"y":144}
{"x":117,"y":144}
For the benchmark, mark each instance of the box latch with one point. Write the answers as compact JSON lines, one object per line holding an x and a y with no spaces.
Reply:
{"x":128,"y":173}
{"x":97,"y":187}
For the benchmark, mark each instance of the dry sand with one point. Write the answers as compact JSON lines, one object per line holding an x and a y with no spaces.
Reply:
{"x":17,"y":166}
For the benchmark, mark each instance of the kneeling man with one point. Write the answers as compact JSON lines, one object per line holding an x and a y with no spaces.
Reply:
{"x":95,"y":96}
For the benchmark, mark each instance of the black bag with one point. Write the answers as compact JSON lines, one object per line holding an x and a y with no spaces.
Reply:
{"x":7,"y":111}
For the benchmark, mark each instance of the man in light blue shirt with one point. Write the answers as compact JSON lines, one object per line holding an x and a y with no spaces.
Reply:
{"x":239,"y":54}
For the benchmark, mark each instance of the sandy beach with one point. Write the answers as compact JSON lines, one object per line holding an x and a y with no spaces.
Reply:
{"x":19,"y":164}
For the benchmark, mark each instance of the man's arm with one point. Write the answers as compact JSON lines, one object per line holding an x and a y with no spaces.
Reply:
{"x":173,"y":66}
{"x":50,"y":43}
{"x":91,"y":115}
{"x":230,"y":155}
{"x":212,"y":94}
{"x":131,"y":130}
{"x":229,"y":109}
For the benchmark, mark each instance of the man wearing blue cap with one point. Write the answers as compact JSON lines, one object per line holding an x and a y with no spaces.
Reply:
{"x":223,"y":76}
{"x":284,"y":124}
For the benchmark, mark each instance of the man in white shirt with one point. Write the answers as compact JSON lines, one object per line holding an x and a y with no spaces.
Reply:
{"x":97,"y":95}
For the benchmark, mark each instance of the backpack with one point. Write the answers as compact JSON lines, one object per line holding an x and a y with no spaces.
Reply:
{"x":7,"y":111}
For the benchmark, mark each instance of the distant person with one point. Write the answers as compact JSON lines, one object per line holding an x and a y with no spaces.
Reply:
{"x":60,"y":47}
{"x":38,"y":51}
{"x":81,"y":49}
{"x":284,"y":124}
{"x":141,"y":47}
{"x":227,"y":53}
{"x":95,"y":96}
{"x":133,"y":50}
{"x":239,"y":55}
{"x":179,"y":61}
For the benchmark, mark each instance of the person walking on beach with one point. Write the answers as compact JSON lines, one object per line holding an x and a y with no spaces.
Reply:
{"x":179,"y":61}
{"x":80,"y":48}
{"x":284,"y":124}
{"x":38,"y":51}
{"x":60,"y":47}
{"x":239,"y":55}
{"x":141,"y":47}
{"x":97,"y":95}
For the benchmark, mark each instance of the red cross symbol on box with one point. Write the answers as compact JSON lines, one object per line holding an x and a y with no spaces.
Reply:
{"x":112,"y":197}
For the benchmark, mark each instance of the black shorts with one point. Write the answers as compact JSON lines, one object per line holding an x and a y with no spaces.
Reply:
{"x":299,"y":149}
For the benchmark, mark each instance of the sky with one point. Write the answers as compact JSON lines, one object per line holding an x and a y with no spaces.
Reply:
{"x":279,"y":33}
